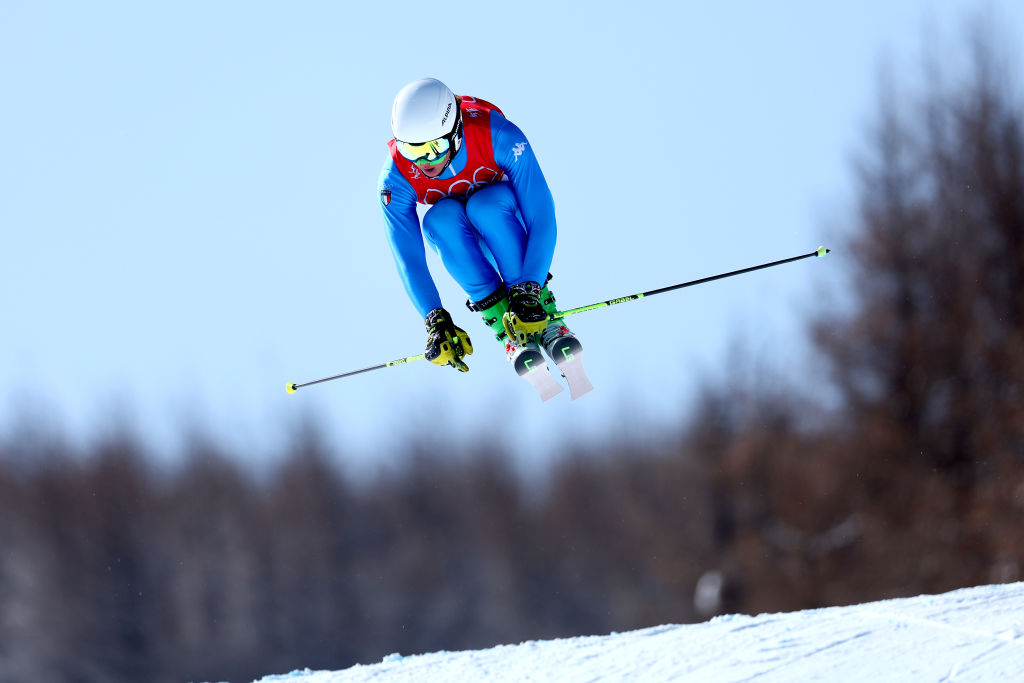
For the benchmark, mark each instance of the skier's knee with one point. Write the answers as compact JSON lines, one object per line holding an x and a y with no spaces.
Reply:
{"x":496,"y":198}
{"x":442,"y":218}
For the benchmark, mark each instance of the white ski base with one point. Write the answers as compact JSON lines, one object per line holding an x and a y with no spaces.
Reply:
{"x":530,"y":364}
{"x":543,"y":382}
{"x":576,"y":377}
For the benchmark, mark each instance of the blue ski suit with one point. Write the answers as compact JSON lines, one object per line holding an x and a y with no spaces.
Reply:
{"x":503,"y":230}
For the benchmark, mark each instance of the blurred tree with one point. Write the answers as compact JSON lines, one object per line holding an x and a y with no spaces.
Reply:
{"x":930,"y":362}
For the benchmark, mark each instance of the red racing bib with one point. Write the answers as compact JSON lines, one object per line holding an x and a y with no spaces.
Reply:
{"x":481,"y":169}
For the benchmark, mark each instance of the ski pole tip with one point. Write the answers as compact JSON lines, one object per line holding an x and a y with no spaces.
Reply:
{"x":290,"y":388}
{"x":822,"y":251}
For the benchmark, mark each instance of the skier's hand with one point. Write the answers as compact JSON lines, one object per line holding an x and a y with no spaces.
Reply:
{"x":446,"y":343}
{"x":526,"y":316}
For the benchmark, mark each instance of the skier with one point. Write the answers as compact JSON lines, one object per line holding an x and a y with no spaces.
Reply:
{"x":491,"y":219}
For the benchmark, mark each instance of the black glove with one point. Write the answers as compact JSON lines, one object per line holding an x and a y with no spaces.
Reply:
{"x":446,"y":343}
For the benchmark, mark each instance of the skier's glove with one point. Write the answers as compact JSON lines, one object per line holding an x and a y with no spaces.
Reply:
{"x":446,"y":343}
{"x":525,"y":317}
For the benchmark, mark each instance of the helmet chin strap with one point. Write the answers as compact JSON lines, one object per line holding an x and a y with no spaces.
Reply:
{"x":448,"y":163}
{"x":456,"y":142}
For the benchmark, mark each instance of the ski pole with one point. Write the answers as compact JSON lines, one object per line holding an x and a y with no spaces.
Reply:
{"x":820,"y":251}
{"x":293,"y":387}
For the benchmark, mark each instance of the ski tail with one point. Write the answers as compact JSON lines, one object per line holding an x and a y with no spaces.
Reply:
{"x":567,"y":353}
{"x":531,"y":366}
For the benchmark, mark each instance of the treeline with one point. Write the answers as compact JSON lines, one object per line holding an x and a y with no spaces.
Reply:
{"x":902,"y":473}
{"x":112,"y":571}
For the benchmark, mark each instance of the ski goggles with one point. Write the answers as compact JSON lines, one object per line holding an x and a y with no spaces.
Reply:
{"x":424,"y":153}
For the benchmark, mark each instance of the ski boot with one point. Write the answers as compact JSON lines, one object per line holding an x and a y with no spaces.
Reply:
{"x":525,"y":357}
{"x":526,"y":317}
{"x":564,"y":348}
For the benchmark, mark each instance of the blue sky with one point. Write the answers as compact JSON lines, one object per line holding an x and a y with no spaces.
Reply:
{"x":190,"y":221}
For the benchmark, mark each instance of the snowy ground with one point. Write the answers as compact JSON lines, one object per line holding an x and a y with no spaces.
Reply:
{"x":974,"y":634}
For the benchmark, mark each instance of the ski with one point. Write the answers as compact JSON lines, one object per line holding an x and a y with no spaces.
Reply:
{"x":567,"y":354}
{"x":531,"y":366}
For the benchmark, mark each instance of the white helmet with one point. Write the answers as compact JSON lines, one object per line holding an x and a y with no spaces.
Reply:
{"x":425,"y":110}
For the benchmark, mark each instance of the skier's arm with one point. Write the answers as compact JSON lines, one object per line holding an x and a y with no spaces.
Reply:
{"x":406,"y":240}
{"x":514,"y":154}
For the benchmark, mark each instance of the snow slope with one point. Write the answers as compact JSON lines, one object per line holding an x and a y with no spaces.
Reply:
{"x":974,"y":634}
